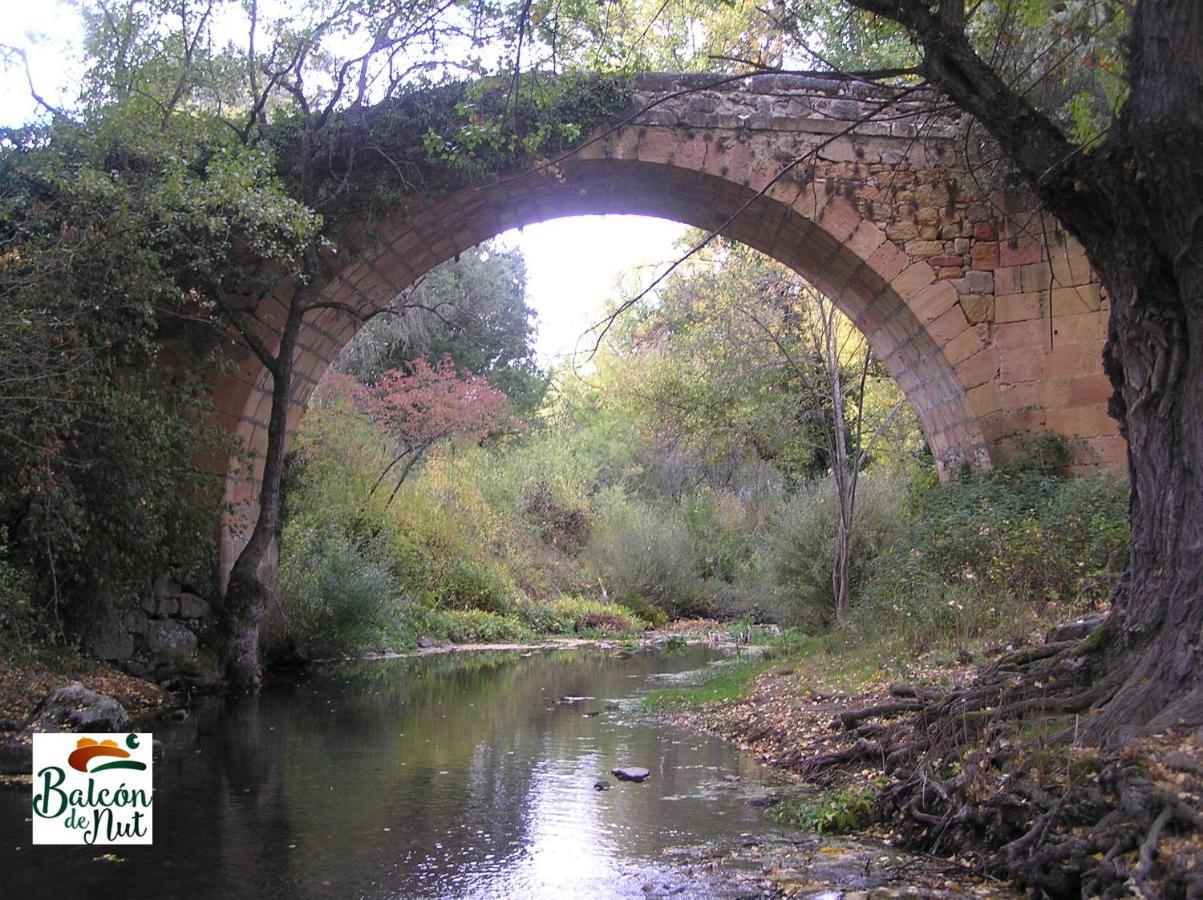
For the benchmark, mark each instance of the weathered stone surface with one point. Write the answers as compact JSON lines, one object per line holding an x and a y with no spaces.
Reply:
{"x":902,"y":231}
{"x":630,"y":773}
{"x":1076,"y":630}
{"x":169,"y":606}
{"x":110,"y":641}
{"x":192,"y":606}
{"x":978,"y":308}
{"x":165,"y":587}
{"x":975,"y":283}
{"x":77,"y":708}
{"x":135,"y":621}
{"x":170,"y":638}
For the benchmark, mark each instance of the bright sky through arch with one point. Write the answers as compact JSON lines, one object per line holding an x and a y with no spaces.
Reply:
{"x":573,"y":266}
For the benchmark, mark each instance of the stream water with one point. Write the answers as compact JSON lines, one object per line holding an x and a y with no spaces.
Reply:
{"x":460,"y":775}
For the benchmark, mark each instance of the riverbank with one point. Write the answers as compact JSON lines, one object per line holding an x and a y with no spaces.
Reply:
{"x":27,"y":679}
{"x":869,"y":743}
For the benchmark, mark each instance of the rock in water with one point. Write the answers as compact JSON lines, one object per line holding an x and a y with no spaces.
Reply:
{"x":426,"y":643}
{"x":601,"y":785}
{"x":630,"y":773}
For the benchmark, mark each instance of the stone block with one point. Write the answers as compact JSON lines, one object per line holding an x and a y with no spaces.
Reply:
{"x":975,"y":283}
{"x":1018,"y":307}
{"x":985,"y":255}
{"x":924,"y":249}
{"x":192,"y":606}
{"x":978,"y":308}
{"x":170,"y":638}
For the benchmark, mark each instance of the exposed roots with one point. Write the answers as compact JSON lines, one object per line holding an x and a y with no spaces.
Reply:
{"x":996,"y":770}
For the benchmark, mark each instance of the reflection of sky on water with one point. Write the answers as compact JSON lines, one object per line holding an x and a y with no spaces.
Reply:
{"x":439,"y":777}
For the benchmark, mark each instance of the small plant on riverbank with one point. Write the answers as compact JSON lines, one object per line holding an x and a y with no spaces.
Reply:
{"x":833,"y":812}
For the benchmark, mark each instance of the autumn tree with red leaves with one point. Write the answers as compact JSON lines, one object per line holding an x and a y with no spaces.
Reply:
{"x":427,"y":404}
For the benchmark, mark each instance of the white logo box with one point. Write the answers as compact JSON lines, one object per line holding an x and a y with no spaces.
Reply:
{"x":93,"y":788}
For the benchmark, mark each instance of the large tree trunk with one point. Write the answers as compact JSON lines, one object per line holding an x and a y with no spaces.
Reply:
{"x":1153,"y":268}
{"x":250,"y":590}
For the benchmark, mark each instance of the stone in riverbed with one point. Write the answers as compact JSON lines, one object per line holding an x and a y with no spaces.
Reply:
{"x":630,"y":773}
{"x":601,"y":785}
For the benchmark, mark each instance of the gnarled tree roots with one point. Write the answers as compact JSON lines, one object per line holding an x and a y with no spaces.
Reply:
{"x":997,"y":771}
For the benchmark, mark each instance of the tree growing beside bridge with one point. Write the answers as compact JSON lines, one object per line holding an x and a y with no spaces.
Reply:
{"x":1132,"y":193}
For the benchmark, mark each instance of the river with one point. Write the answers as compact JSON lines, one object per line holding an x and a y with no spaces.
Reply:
{"x":455,"y":775}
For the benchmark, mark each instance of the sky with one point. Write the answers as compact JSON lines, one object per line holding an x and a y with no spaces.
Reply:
{"x":573,"y":265}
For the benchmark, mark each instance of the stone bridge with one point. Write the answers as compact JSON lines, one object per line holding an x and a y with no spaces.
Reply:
{"x":985,"y":311}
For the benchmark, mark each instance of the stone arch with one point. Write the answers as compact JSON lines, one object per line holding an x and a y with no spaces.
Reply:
{"x":873,"y":220}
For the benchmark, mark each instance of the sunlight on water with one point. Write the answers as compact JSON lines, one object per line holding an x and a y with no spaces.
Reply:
{"x":452,"y":776}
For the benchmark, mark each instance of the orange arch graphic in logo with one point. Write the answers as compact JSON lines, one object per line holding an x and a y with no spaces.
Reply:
{"x":87,"y":750}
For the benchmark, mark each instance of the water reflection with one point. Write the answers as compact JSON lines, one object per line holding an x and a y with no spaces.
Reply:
{"x":446,"y":776}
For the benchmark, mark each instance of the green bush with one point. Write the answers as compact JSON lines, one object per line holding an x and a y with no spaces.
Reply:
{"x":988,"y":555}
{"x":832,"y":812}
{"x":1037,"y":536}
{"x":333,"y":594}
{"x":477,"y":626}
{"x":469,"y":584}
{"x":801,"y":551}
{"x":641,"y":553}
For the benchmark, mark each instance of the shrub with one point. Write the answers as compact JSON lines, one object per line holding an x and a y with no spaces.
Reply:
{"x":578,"y":614}
{"x":987,"y":555}
{"x":478,"y":626}
{"x":642,"y":554}
{"x":332,"y":592}
{"x":469,"y":584}
{"x":832,"y":812}
{"x":1036,"y":536}
{"x":801,"y":552}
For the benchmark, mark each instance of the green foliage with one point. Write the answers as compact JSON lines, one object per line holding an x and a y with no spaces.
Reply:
{"x":642,"y":553}
{"x":802,"y":550}
{"x":989,"y":554}
{"x":468,"y":584}
{"x":465,"y":626}
{"x":333,"y":592}
{"x":832,"y":812}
